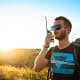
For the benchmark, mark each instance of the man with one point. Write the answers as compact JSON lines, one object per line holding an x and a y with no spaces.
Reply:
{"x":62,"y":60}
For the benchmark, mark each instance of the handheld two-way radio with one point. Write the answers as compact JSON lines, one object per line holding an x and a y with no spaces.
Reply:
{"x":47,"y":31}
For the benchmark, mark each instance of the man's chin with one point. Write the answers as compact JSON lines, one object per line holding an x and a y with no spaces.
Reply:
{"x":58,"y":38}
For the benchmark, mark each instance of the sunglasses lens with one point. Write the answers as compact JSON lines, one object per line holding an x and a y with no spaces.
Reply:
{"x":56,"y":27}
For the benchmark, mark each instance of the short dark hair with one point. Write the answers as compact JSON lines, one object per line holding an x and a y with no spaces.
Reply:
{"x":66,"y":21}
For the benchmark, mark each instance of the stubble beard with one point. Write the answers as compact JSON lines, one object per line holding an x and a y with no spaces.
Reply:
{"x":61,"y":37}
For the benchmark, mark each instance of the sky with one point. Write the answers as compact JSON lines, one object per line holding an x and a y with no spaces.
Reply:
{"x":22,"y":22}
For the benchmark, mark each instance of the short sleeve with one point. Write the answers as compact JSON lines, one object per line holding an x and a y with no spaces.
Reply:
{"x":78,"y":51}
{"x":48,"y":55}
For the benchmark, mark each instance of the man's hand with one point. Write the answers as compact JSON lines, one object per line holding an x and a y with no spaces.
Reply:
{"x":49,"y":38}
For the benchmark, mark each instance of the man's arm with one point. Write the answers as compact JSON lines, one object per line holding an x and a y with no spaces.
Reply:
{"x":41,"y":61}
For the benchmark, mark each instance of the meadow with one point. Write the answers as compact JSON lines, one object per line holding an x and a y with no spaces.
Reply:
{"x":8,"y":72}
{"x":18,"y":65}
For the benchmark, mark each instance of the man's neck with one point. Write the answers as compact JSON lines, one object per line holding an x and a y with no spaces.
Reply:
{"x":63,"y":43}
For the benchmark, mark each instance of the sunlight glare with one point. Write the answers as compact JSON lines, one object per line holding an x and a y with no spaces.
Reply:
{"x":5,"y":50}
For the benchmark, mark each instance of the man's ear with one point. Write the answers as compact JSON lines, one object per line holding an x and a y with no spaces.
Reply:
{"x":68,"y":30}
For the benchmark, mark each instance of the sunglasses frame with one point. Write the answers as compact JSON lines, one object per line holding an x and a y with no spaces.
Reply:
{"x":56,"y":27}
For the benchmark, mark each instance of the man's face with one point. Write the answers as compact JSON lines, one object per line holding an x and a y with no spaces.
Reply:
{"x":60,"y":30}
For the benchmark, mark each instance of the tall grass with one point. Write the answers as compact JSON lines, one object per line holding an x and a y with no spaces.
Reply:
{"x":8,"y":72}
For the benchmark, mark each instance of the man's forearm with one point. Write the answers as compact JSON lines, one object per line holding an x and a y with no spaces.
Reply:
{"x":41,"y":61}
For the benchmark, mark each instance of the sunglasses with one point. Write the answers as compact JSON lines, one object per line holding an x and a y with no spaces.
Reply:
{"x":56,"y":27}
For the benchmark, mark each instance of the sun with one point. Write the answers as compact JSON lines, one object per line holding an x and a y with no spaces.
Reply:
{"x":5,"y":50}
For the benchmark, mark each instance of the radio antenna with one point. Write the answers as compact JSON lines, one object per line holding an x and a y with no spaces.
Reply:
{"x":46,"y":24}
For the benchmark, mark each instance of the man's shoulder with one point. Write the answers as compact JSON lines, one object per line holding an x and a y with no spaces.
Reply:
{"x":77,"y":47}
{"x":48,"y":55}
{"x":76,"y":43}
